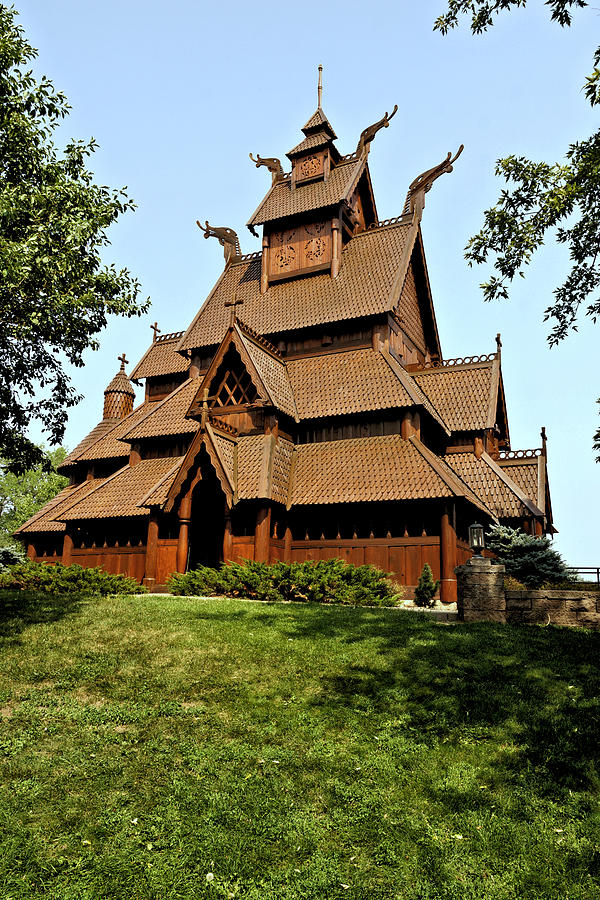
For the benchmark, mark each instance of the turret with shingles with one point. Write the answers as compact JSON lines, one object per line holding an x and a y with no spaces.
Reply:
{"x":119,"y":395}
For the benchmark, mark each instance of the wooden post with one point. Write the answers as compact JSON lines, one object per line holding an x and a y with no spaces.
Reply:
{"x":262,"y":534}
{"x":31,"y":554}
{"x":287,"y":545}
{"x":335,"y":249}
{"x":134,"y":455}
{"x":406,"y":428}
{"x":151,"y":551}
{"x":264,"y":271}
{"x":448,"y":558}
{"x":185,"y":511}
{"x":539,"y":528}
{"x":67,"y":549}
{"x":227,"y":537}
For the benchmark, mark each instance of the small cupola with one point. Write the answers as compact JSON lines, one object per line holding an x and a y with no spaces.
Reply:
{"x":119,"y":395}
{"x":313,"y":157}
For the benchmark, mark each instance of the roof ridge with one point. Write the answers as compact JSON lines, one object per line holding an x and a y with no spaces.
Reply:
{"x":258,"y":339}
{"x":154,"y":407}
{"x":444,"y":469}
{"x":414,"y":390}
{"x":170,"y":336}
{"x":175,"y":467}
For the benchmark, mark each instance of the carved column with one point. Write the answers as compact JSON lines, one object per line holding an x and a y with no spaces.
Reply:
{"x":448,"y":559}
{"x":185,"y":510}
{"x":151,"y":551}
{"x":31,"y":554}
{"x":262,"y":534}
{"x":287,"y":545}
{"x":335,"y":248}
{"x":67,"y":549}
{"x":227,"y":537}
{"x":264,"y":271}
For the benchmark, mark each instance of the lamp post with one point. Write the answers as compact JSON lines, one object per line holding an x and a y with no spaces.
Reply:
{"x":476,"y":541}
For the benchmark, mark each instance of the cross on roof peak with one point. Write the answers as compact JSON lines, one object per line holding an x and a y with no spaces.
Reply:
{"x":156,"y":331}
{"x":124,"y":361}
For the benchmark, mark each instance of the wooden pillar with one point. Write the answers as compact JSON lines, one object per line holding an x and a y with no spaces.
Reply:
{"x":134,"y":455}
{"x":262,"y":534}
{"x":406,"y":428}
{"x":448,"y":557}
{"x":264,"y":271}
{"x":67,"y":549}
{"x":31,"y":554}
{"x":336,"y":248}
{"x":227,"y":537}
{"x":151,"y":551}
{"x":539,"y":528}
{"x":287,"y":545}
{"x":185,"y":512}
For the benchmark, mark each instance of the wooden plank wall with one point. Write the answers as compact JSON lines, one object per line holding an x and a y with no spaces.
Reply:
{"x":116,"y":560}
{"x":403,"y":557}
{"x":166,"y":559}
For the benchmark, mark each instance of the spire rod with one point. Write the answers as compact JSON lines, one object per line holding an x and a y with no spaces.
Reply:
{"x":320,"y":87}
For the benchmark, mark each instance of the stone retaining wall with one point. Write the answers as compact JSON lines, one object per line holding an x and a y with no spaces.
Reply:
{"x":544,"y":607}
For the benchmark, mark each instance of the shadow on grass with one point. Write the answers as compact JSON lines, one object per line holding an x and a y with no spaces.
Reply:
{"x":458,"y":683}
{"x":20,"y":609}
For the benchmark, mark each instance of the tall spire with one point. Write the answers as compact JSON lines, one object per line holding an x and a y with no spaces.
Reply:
{"x":320,"y":87}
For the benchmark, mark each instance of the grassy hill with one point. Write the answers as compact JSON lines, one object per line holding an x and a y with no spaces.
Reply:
{"x":184,"y":748}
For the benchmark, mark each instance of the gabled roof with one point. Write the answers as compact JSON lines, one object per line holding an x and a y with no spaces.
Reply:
{"x":161,"y":359}
{"x":319,"y":120}
{"x":45,"y":520}
{"x":282,"y":201}
{"x":493,"y":486}
{"x":221,"y":450}
{"x":263,"y":363}
{"x":122,"y":493}
{"x":95,"y":434}
{"x":168,"y":417}
{"x":465,"y":395}
{"x":372,"y":264}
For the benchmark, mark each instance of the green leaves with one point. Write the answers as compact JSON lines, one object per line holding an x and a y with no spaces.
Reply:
{"x":22,"y":495}
{"x":56,"y":292}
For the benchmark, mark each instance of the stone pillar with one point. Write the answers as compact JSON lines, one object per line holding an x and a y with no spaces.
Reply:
{"x":481,"y":591}
{"x":262,"y":534}
{"x":151,"y":551}
{"x":67,"y":549}
{"x":448,"y":557}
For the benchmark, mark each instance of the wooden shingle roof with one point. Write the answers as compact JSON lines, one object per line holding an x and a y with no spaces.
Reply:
{"x":123,"y":493}
{"x":281,"y":201}
{"x":493,"y":486}
{"x":342,"y":383}
{"x":168,"y":417}
{"x":45,"y":519}
{"x":161,"y":359}
{"x":465,"y":395}
{"x":365,"y":286}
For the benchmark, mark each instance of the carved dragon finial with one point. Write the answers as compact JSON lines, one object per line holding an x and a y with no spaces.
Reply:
{"x":227,"y":238}
{"x":424,"y":181}
{"x":366,"y":136}
{"x":273,"y":165}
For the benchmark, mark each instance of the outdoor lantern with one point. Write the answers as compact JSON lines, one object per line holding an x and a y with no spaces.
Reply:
{"x":476,"y":542}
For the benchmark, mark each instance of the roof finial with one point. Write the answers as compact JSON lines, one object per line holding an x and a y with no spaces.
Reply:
{"x":156,"y":331}
{"x":498,"y":343}
{"x":123,"y":360}
{"x":320,"y":88}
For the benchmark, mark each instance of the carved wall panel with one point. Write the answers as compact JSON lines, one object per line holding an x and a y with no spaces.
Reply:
{"x":299,"y":249}
{"x":310,"y":166}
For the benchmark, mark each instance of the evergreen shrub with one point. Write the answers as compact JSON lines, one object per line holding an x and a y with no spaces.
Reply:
{"x":426,"y":588}
{"x":58,"y":579}
{"x":326,"y":581}
{"x":529,"y":559}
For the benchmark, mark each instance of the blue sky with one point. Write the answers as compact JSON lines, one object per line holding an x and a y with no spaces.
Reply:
{"x":178,"y":94}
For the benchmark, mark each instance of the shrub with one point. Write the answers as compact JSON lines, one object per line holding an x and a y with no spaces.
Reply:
{"x":326,"y":581}
{"x":531,"y":560}
{"x":10,"y":555}
{"x":59,"y":579}
{"x":426,"y":588}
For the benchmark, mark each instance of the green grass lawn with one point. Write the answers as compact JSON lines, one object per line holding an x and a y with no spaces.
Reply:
{"x":184,"y":748}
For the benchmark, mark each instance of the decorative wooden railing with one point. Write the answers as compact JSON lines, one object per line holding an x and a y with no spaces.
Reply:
{"x":521,"y":454}
{"x":173,"y":336}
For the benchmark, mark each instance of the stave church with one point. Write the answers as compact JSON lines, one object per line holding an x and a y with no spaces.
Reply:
{"x":307,"y":411}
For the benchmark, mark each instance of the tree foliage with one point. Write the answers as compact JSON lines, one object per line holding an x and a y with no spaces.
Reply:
{"x":22,"y":495}
{"x":55,"y":291}
{"x":531,"y":560}
{"x":542,"y":198}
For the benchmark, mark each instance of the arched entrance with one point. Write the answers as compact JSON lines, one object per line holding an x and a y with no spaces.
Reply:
{"x":207,"y":518}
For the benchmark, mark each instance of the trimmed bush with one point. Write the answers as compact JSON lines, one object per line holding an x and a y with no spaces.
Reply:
{"x":426,"y":588}
{"x":59,"y":579}
{"x":326,"y":581}
{"x":531,"y":560}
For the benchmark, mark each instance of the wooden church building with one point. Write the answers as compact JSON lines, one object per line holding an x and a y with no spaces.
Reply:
{"x":307,"y":411}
